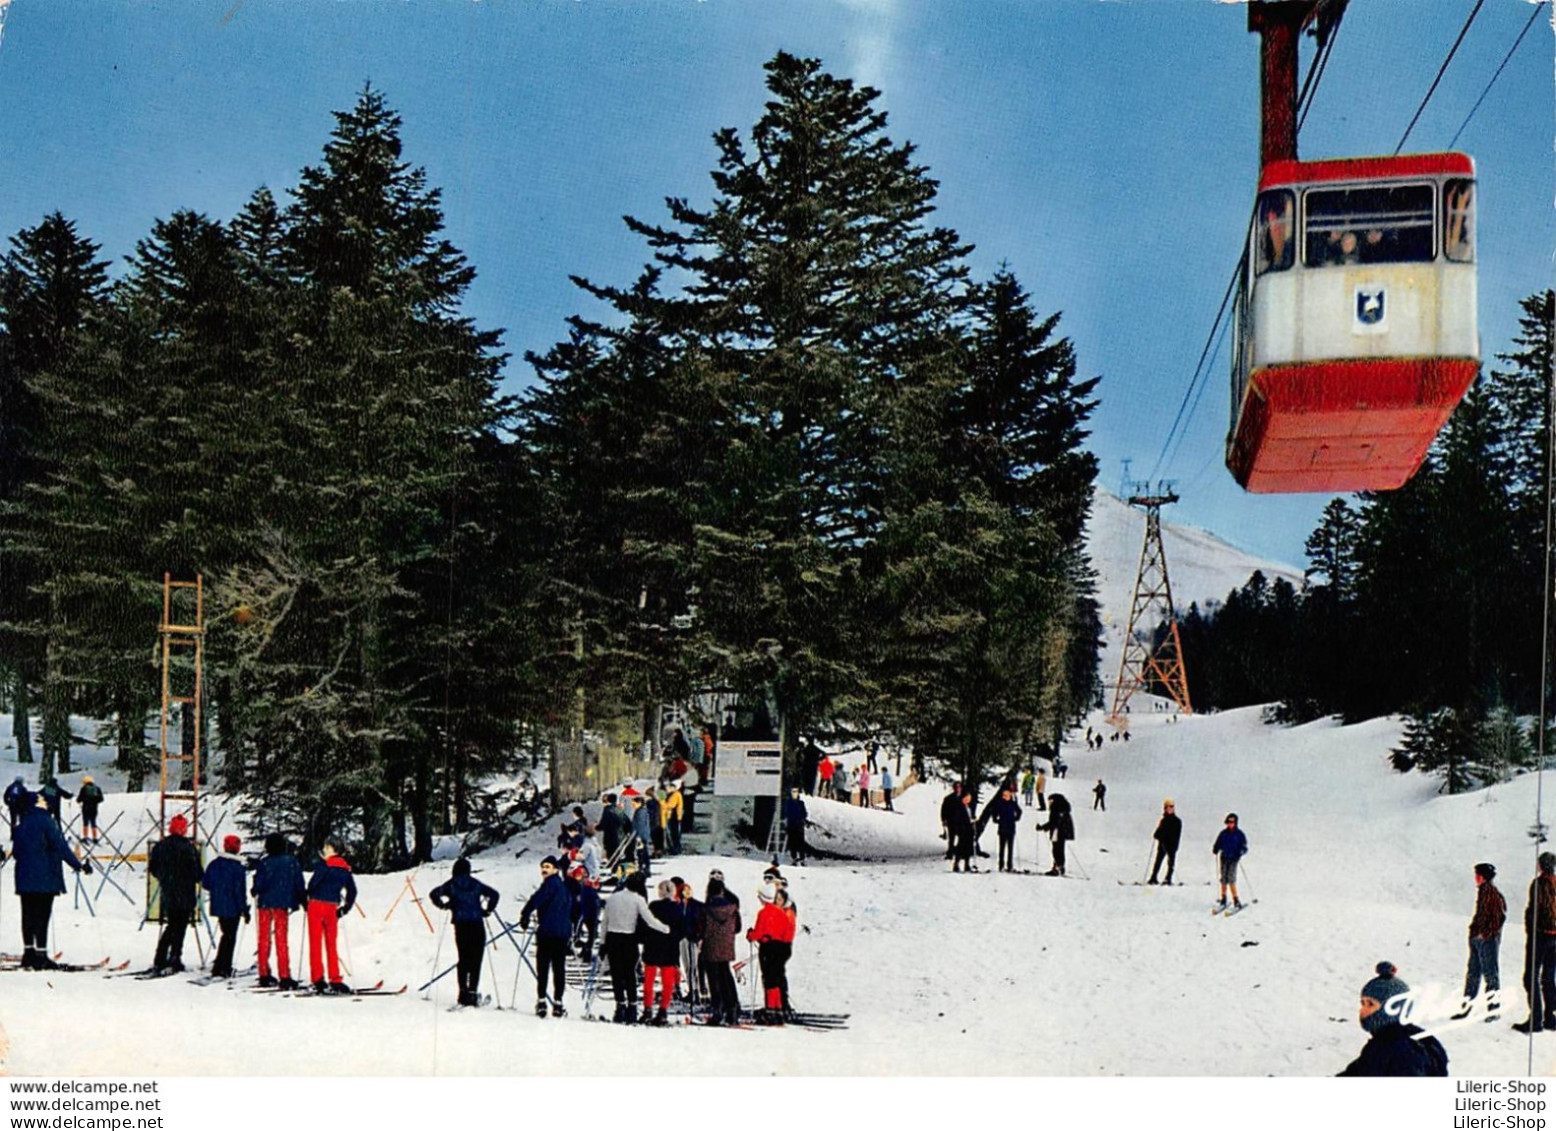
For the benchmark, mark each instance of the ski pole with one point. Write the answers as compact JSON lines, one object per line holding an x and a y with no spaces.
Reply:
{"x":751,"y":965}
{"x":436,"y":954}
{"x":1150,"y":855}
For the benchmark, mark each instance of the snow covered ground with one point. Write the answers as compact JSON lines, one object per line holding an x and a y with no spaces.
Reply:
{"x":943,"y":974}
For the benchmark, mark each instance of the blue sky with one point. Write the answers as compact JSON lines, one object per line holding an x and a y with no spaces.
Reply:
{"x":1106,"y":151}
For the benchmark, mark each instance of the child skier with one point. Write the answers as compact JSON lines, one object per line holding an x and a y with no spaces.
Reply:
{"x":225,"y":882}
{"x":662,"y":952}
{"x":330,"y":884}
{"x":1231,"y":845}
{"x":469,"y":901}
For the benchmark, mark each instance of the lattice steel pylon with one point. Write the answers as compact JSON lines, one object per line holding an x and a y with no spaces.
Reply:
{"x":181,"y":770}
{"x":1140,"y":667}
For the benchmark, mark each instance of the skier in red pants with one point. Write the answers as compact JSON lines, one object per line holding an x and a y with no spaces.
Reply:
{"x":331,"y":882}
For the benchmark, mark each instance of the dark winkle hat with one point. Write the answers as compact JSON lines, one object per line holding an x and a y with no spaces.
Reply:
{"x":1486,"y":871}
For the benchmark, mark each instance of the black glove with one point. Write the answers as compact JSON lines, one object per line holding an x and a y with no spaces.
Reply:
{"x":247,"y":918}
{"x":86,"y":867}
{"x":340,"y":912}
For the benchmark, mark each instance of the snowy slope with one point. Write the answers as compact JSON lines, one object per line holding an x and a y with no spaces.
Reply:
{"x":1002,"y":974}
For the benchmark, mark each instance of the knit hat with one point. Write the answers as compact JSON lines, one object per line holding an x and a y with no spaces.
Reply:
{"x":275,"y":844}
{"x":232,"y":843}
{"x":1486,"y":872}
{"x":179,"y":825}
{"x":1381,"y":989}
{"x":462,"y":866}
{"x":552,"y":860}
{"x":86,"y":779}
{"x":665,"y":890}
{"x":1548,"y":861}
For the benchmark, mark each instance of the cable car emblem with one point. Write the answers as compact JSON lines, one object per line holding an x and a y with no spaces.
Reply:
{"x":1370,"y":306}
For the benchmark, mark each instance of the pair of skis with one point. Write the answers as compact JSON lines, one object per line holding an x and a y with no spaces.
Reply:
{"x":375,"y":990}
{"x":1226,"y":911}
{"x":10,"y":963}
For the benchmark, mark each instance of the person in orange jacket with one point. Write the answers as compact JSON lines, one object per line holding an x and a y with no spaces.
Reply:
{"x":774,"y":935}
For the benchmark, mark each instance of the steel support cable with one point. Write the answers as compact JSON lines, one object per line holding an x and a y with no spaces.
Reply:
{"x":1452,"y":51}
{"x":1316,"y":74}
{"x":1199,"y":368}
{"x":1534,"y":15}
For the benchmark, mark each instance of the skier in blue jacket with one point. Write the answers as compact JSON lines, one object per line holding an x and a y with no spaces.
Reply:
{"x":1231,"y":845}
{"x":469,"y":901}
{"x":551,"y":905}
{"x":40,"y":851}
{"x":225,"y":882}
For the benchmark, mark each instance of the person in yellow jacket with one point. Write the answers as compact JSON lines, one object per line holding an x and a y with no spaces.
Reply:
{"x":671,"y":812}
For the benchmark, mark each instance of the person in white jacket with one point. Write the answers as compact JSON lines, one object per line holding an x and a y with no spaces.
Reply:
{"x":624,"y":912}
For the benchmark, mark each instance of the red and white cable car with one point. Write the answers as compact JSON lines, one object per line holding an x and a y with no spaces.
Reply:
{"x":1355,"y":329}
{"x":1354,"y":318}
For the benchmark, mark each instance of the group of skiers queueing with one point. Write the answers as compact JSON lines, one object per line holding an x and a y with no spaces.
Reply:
{"x":278,"y":890}
{"x":680,"y":939}
{"x":41,"y":853}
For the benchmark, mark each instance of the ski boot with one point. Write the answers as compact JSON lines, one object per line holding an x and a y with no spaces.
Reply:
{"x":540,"y":1007}
{"x":320,"y":986}
{"x":631,"y":1016}
{"x":338,"y":988}
{"x":268,"y":982}
{"x":289,"y":984}
{"x":557,"y":1010}
{"x":660,"y":1020}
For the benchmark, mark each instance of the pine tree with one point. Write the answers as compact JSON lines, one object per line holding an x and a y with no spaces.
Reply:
{"x":51,"y":284}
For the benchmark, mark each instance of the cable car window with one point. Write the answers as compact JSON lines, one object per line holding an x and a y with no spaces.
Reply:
{"x":1275,"y":238}
{"x":1375,"y":224}
{"x":1459,"y":221}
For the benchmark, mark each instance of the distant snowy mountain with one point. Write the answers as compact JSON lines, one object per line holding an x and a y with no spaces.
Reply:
{"x":1201,"y":566}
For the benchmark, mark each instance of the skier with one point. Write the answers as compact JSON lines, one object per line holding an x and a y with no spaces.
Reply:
{"x":585,"y":891}
{"x":950,"y":806}
{"x":1100,"y":792}
{"x":612,"y":825}
{"x":330,"y":885}
{"x":551,"y":906}
{"x":774,"y":935}
{"x":673,"y":813}
{"x":718,"y":950}
{"x":52,"y":796}
{"x":1485,"y":942}
{"x":825,"y":770}
{"x":1540,"y":947}
{"x":1393,"y":1049}
{"x":1231,"y":845}
{"x":888,"y":783}
{"x":1028,"y":787}
{"x":17,"y":801}
{"x":468,"y":902}
{"x":624,"y":911}
{"x":278,"y":891}
{"x":1040,"y":787}
{"x":1006,"y":814}
{"x":694,"y":915}
{"x":90,"y":797}
{"x":175,"y":864}
{"x":864,"y":786}
{"x":959,"y":832}
{"x":794,"y":817}
{"x":656,"y":821}
{"x":225,"y":882}
{"x":1169,"y":831}
{"x":662,"y":953}
{"x":1060,"y":828}
{"x":39,"y":850}
{"x":642,"y":830}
